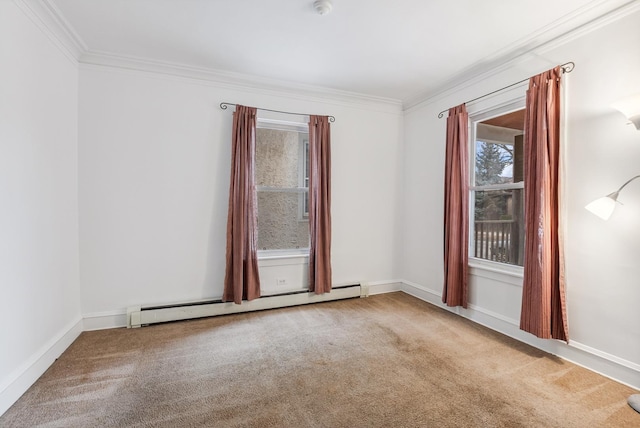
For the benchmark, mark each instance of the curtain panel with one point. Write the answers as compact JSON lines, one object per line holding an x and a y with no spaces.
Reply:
{"x":320,"y":279}
{"x":241,"y":277}
{"x":543,"y":298}
{"x":456,"y":208}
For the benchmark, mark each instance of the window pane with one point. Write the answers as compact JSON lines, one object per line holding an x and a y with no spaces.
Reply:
{"x":499,"y":154}
{"x":278,"y":158}
{"x":499,"y":226}
{"x":494,"y":163}
{"x":279,"y":224}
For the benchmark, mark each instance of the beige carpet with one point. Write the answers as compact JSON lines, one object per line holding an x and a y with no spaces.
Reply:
{"x":384,"y":361}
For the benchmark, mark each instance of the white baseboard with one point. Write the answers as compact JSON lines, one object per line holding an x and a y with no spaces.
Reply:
{"x":381,"y":287}
{"x":600,"y":362}
{"x":422,"y":293}
{"x":605,"y":355}
{"x":104,"y":320}
{"x":24,"y":376}
{"x":618,"y":369}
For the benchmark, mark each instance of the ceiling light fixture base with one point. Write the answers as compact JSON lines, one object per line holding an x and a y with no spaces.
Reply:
{"x":322,"y":6}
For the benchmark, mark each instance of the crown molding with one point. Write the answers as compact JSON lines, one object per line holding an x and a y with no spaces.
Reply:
{"x":46,"y":15}
{"x":238,"y":81}
{"x":572,"y":26}
{"x":48,"y":18}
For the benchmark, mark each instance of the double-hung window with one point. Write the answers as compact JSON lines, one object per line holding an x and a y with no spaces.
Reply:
{"x":282,"y":180}
{"x":497,"y":186}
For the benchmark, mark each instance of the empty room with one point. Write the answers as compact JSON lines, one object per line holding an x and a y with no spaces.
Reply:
{"x":329,"y":213}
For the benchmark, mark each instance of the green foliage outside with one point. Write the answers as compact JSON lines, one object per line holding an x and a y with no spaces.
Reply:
{"x":491,"y":160}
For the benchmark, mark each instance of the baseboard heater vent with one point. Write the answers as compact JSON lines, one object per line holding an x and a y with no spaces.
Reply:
{"x":138,"y":316}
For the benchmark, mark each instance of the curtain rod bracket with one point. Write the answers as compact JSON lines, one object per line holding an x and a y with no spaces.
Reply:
{"x":225,"y":105}
{"x":567,"y":67}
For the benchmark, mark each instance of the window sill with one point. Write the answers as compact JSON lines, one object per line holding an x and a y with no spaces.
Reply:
{"x":283,"y":257}
{"x":279,"y":254}
{"x":496,"y":271}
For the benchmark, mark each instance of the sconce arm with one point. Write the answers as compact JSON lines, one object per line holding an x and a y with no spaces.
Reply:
{"x":628,"y":181}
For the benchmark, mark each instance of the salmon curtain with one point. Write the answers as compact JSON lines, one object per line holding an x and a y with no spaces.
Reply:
{"x":543,"y":296}
{"x":456,"y":208}
{"x":241,"y":277}
{"x":320,"y":204}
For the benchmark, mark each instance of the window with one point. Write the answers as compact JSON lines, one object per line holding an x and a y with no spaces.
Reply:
{"x":282,"y":181}
{"x":497,"y":188}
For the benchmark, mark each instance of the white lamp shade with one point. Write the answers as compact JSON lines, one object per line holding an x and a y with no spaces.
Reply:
{"x":630,"y":107}
{"x":602,"y":207}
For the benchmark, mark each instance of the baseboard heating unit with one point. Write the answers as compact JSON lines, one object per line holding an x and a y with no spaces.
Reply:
{"x":138,"y":316}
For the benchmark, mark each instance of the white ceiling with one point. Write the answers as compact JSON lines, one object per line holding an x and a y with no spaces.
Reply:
{"x":393,"y":49}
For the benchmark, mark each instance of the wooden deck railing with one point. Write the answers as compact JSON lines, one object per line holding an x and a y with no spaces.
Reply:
{"x":497,"y":240}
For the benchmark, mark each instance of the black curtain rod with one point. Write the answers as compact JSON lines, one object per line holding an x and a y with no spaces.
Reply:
{"x":224,"y":106}
{"x":566,"y":68}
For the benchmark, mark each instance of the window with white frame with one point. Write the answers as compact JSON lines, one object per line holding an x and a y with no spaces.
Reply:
{"x":497,"y":186}
{"x":282,"y":182}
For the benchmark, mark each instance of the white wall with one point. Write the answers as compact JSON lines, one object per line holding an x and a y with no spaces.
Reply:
{"x":154,"y":156}
{"x":603,"y":288}
{"x":39,"y":276}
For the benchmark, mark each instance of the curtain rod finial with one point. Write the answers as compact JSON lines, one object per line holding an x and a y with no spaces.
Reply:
{"x":568,"y":67}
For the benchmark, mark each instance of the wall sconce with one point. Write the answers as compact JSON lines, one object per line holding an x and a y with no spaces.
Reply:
{"x":603,"y":207}
{"x":630,"y":107}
